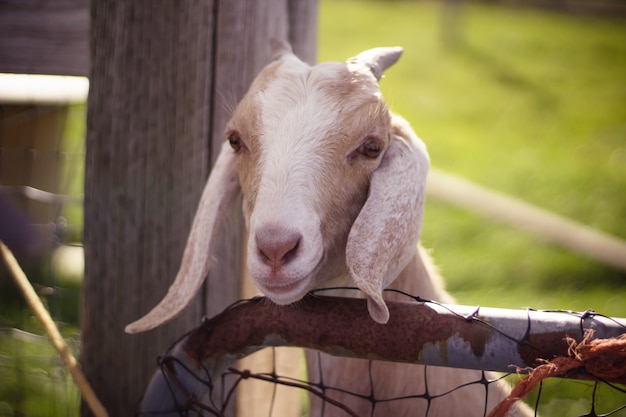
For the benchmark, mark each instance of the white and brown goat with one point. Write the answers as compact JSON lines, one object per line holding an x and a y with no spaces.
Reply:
{"x":333,"y":195}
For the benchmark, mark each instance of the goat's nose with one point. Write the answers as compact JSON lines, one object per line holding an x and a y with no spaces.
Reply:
{"x":277,"y":245}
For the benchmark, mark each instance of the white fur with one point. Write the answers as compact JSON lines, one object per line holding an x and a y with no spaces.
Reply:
{"x":284,"y":201}
{"x":333,"y":194}
{"x":298,"y":121}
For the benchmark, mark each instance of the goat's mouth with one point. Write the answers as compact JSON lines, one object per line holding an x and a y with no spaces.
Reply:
{"x":283,"y":293}
{"x":284,"y":290}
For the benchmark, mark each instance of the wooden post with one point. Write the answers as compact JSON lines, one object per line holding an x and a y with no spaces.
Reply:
{"x":163,"y":75}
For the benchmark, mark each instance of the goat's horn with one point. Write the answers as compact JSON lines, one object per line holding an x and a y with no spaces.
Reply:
{"x":375,"y":60}
{"x":384,"y":235}
{"x":222,"y":186}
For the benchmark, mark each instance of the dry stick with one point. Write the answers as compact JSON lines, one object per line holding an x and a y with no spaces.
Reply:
{"x":53,"y":332}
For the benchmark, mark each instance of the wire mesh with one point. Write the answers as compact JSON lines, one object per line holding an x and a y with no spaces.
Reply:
{"x":203,"y":359}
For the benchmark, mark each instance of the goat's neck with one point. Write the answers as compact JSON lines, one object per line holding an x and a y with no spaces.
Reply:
{"x":420,"y":278}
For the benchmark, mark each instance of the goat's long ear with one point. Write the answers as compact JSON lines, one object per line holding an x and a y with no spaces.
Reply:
{"x":375,"y":61}
{"x":222,"y":186}
{"x":385,"y":234}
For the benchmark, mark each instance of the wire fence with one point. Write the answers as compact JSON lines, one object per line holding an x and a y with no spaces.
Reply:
{"x":197,"y":376}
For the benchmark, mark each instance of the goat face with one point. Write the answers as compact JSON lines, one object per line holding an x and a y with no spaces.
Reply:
{"x":304,"y":162}
{"x":332,"y":185}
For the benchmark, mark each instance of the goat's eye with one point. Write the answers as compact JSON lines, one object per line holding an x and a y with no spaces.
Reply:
{"x":371,"y":148}
{"x":235,"y":141}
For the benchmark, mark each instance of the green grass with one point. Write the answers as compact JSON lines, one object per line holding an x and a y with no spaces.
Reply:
{"x":34,"y":382}
{"x":532,"y":103}
{"x":73,"y":171}
{"x":528,"y":102}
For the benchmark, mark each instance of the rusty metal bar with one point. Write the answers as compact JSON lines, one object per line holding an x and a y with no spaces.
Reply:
{"x":417,"y":332}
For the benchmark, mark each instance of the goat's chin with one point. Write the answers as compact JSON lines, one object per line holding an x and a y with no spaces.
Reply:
{"x":285,"y":287}
{"x":285,"y":292}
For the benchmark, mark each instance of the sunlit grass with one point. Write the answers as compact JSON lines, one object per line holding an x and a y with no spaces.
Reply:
{"x":528,"y":102}
{"x":34,"y":381}
{"x":72,"y":176}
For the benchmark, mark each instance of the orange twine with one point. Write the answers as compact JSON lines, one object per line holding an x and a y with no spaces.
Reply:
{"x":599,"y":359}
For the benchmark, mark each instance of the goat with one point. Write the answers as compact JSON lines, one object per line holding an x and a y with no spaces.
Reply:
{"x":333,"y":195}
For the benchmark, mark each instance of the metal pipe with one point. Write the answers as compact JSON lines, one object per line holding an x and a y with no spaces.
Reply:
{"x":427,"y":333}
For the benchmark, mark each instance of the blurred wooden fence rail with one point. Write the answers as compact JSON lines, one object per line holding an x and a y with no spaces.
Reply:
{"x":44,"y":37}
{"x":39,"y":37}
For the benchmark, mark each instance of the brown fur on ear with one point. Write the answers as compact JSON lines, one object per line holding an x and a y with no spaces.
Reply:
{"x":222,"y":186}
{"x":384,"y":236}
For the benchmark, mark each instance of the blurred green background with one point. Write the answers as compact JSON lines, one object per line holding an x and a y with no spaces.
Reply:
{"x":526,"y":101}
{"x":530,"y":102}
